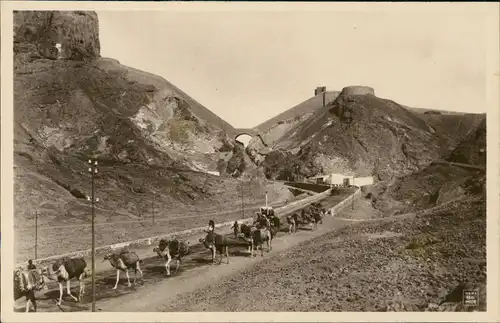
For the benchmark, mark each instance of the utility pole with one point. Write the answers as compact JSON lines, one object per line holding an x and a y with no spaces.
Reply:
{"x":93,"y":171}
{"x":153,"y":209}
{"x":352,"y":199}
{"x":266,"y":199}
{"x":242,"y":202}
{"x":36,"y":235}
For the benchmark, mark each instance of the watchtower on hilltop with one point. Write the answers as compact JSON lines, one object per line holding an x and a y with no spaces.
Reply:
{"x":321,"y":90}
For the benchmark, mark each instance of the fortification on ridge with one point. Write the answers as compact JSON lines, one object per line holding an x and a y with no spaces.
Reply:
{"x":357,"y":90}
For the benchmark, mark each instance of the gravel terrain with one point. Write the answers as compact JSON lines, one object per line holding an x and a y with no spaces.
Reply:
{"x":406,"y":263}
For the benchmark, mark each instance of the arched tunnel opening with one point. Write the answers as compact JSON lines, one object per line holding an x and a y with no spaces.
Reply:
{"x":244,"y":139}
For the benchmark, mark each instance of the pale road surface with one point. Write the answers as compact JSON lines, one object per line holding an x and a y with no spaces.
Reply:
{"x":157,"y":288}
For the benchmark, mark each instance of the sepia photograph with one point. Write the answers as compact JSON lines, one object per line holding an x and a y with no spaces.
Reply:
{"x":270,"y":159}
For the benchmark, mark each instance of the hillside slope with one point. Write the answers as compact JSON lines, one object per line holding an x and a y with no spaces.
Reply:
{"x":272,"y":130}
{"x":360,"y":134}
{"x":472,"y":149}
{"x":152,"y":141}
{"x":438,"y":184}
{"x":303,"y":108}
{"x":355,"y":134}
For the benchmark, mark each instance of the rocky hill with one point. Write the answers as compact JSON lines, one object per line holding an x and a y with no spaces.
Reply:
{"x":472,"y":149}
{"x":272,"y":130}
{"x":438,"y":184}
{"x":298,"y":111}
{"x":151,"y":139}
{"x":359,"y":133}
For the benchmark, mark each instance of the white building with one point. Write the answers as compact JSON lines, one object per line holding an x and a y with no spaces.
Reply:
{"x":363,"y":181}
{"x":341,"y":179}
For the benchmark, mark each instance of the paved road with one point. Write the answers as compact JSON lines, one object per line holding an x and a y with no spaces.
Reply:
{"x":156,"y":288}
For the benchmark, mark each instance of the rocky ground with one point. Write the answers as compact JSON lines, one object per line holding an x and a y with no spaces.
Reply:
{"x":411,"y":263}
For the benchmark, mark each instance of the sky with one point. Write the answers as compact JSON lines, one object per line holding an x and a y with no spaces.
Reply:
{"x":248,"y":66}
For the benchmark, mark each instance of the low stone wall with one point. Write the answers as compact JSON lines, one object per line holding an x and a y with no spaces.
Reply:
{"x":291,"y":207}
{"x":346,"y":202}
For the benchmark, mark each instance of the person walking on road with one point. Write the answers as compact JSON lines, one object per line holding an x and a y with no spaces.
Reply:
{"x":31,"y":266}
{"x":236,"y":228}
{"x":211,"y":233}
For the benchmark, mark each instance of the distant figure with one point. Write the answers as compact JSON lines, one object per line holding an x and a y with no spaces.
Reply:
{"x":256,"y":218}
{"x":210,"y":231}
{"x":31,"y":265}
{"x":236,"y":229}
{"x":211,"y":226}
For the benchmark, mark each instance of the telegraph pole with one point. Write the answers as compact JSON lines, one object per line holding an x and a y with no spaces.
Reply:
{"x":93,"y":171}
{"x":352,"y":199}
{"x":242,"y":202}
{"x":153,"y":209}
{"x":36,"y":235}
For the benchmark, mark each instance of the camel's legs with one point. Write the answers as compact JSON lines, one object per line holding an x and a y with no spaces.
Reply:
{"x":28,"y":302}
{"x":81,"y":288}
{"x":167,"y":264}
{"x":60,"y":293}
{"x":139,"y":269}
{"x":128,"y":278}
{"x":68,"y":287}
{"x":117,"y":278}
{"x":178,"y":264}
{"x":213,"y":255}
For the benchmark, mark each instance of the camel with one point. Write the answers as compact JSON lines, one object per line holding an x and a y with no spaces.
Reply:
{"x":216,"y":242}
{"x":172,"y":248}
{"x":247,"y":236}
{"x":66,"y":269}
{"x":259,"y":237}
{"x":123,"y":261}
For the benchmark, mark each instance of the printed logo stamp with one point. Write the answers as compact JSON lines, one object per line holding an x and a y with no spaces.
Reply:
{"x":471,"y":297}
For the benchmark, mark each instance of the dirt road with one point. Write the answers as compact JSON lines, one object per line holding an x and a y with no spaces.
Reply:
{"x":156,"y":289}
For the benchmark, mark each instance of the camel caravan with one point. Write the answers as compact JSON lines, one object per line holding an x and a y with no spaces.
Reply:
{"x":264,"y":228}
